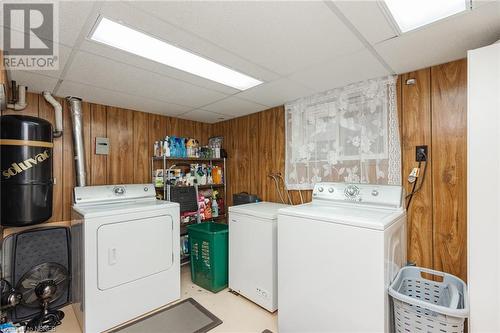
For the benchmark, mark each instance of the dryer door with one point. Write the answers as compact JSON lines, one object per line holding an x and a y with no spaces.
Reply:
{"x":132,"y":250}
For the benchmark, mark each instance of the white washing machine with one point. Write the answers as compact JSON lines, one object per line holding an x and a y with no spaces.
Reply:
{"x":336,"y":257}
{"x":125,"y":253}
{"x":252,"y":252}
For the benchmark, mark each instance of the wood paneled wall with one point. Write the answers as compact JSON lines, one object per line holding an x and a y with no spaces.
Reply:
{"x":256,"y":148}
{"x":449,"y":169}
{"x":242,"y":142}
{"x":432,"y":112}
{"x":131,"y":135}
{"x":415,"y":123}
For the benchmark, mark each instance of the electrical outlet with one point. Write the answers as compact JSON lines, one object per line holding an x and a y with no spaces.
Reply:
{"x":421,"y":153}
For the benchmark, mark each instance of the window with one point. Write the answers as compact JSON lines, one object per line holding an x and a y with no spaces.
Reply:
{"x":346,"y":134}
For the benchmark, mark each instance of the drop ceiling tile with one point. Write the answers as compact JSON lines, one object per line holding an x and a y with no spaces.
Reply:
{"x":62,"y":56}
{"x":279,"y":35}
{"x":158,"y":28}
{"x":35,"y":82}
{"x":106,"y":73}
{"x":204,"y":116}
{"x":114,"y":98}
{"x":368,"y":18}
{"x":64,"y":53}
{"x":341,"y":71}
{"x":275,"y":93}
{"x":443,"y":41}
{"x":71,"y":19}
{"x":234,"y":107}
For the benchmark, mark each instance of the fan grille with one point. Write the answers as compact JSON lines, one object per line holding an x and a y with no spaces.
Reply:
{"x":46,"y":272}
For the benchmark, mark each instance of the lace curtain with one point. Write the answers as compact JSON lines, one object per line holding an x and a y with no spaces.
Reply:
{"x":348,"y":134}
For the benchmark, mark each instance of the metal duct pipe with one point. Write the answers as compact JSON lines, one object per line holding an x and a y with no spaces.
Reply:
{"x":58,"y":130}
{"x":75,"y":105}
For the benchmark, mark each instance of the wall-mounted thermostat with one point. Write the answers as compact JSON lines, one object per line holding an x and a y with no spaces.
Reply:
{"x":101,"y":146}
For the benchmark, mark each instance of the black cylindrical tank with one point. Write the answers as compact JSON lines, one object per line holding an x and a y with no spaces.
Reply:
{"x":26,"y":174}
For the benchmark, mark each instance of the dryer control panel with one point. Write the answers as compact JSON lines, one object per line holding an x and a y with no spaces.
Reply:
{"x":113,"y":193}
{"x":360,"y":194}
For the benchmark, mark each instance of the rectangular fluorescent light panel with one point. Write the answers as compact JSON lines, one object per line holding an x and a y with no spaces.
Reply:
{"x":412,"y":14}
{"x":124,"y":38}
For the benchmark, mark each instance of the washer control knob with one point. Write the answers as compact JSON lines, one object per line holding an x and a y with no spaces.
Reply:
{"x":375,"y":193}
{"x":119,"y":190}
{"x":330,"y":190}
{"x":351,"y":191}
{"x":320,"y":189}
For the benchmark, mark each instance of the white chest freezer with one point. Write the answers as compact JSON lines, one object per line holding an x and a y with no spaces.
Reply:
{"x":252,"y":252}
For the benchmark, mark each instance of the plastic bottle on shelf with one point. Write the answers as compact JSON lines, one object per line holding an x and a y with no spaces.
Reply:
{"x":166,"y":148}
{"x":156,"y":149}
{"x":217,"y":174}
{"x":215,"y":206}
{"x":210,"y":179}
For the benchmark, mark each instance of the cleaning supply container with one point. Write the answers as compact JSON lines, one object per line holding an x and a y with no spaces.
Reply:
{"x":422,"y":305}
{"x":209,"y":256}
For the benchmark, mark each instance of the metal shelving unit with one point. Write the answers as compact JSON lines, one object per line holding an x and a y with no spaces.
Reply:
{"x":169,"y":158}
{"x":184,"y":260}
{"x":168,"y":162}
{"x":188,"y":160}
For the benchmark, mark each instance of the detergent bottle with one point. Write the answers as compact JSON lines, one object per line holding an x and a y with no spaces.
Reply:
{"x":215,"y":206}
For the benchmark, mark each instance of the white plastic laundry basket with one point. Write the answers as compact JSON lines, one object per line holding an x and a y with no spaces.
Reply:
{"x":423,"y":305}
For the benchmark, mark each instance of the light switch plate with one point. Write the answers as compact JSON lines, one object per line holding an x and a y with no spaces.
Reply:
{"x":101,"y":146}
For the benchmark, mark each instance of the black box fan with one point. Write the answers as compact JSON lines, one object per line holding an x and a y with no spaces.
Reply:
{"x":36,"y":276}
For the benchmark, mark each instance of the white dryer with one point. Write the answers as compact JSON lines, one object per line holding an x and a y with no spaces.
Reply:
{"x":337,"y":256}
{"x":125,"y":253}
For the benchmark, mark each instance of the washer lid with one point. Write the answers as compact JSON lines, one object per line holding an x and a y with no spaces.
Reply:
{"x":363,"y":217}
{"x":115,"y":208}
{"x":265,"y":210}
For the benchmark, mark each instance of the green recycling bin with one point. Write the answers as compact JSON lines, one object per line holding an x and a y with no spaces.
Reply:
{"x":209,"y":255}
